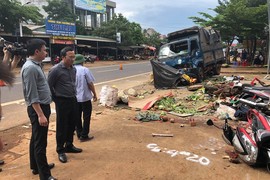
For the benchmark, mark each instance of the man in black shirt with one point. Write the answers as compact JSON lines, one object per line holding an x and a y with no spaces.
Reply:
{"x":61,"y":80}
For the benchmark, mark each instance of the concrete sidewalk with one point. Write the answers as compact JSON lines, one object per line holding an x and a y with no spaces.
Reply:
{"x":244,"y":70}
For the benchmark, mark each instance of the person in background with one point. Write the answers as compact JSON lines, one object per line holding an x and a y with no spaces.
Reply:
{"x":61,"y":80}
{"x":7,"y":58}
{"x":85,"y":92}
{"x":244,"y":57}
{"x":235,"y":55}
{"x":261,"y":59}
{"x":257,"y":61}
{"x":38,"y":98}
{"x":8,"y":79}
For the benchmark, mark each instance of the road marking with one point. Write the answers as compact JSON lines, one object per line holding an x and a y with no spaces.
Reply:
{"x":128,"y":64}
{"x":189,"y":156}
{"x":96,"y":84}
{"x":13,"y":102}
{"x":121,"y":79}
{"x":108,"y":70}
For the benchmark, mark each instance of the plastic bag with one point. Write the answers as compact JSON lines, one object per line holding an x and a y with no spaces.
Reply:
{"x":108,"y":96}
{"x":222,"y":110}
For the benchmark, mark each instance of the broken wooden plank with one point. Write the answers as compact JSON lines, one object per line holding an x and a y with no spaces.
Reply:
{"x":162,"y":135}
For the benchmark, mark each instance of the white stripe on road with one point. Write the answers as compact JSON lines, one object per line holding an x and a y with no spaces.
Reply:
{"x":128,"y":64}
{"x":108,"y":70}
{"x":96,"y":84}
{"x":121,"y":79}
{"x":13,"y":102}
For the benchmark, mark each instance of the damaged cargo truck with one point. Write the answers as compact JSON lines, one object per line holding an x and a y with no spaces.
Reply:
{"x":190,"y":53}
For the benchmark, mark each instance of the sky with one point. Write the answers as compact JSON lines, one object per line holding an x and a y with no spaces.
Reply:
{"x":164,"y":16}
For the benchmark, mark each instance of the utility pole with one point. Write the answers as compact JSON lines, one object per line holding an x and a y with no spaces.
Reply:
{"x":20,"y":23}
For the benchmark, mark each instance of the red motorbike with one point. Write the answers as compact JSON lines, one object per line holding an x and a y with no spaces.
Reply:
{"x":252,"y":142}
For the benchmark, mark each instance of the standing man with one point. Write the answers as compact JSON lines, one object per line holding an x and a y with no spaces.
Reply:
{"x":61,"y":80}
{"x":37,"y":95}
{"x":85,"y":92}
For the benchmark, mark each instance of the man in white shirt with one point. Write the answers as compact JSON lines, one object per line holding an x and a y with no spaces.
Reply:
{"x":85,"y":93}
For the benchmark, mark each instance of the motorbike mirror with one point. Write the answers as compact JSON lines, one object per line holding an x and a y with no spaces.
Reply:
{"x":210,"y":122}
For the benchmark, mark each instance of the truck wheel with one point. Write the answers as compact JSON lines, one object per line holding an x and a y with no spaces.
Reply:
{"x":217,"y":69}
{"x":200,"y":74}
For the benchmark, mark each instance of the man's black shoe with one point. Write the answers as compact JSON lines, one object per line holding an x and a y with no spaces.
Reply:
{"x":51,"y":178}
{"x":73,"y":149}
{"x":88,"y":138}
{"x":2,"y":162}
{"x":62,"y":157}
{"x":35,"y":171}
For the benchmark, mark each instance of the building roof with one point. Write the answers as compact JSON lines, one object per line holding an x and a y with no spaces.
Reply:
{"x":94,"y":38}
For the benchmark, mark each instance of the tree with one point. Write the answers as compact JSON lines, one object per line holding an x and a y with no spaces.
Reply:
{"x":131,"y":33}
{"x":59,"y":10}
{"x":153,"y":39}
{"x":245,"y":19}
{"x":12,"y":13}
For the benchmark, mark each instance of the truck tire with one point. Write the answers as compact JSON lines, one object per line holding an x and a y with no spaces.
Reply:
{"x":217,"y":69}
{"x":200,"y":74}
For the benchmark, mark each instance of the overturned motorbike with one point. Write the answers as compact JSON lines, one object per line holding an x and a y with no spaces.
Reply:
{"x":252,"y":143}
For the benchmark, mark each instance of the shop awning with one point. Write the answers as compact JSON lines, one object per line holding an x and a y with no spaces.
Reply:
{"x":62,"y":41}
{"x":84,"y":45}
{"x":94,"y":38}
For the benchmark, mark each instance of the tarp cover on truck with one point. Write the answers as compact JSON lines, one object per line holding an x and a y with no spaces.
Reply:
{"x":165,"y":76}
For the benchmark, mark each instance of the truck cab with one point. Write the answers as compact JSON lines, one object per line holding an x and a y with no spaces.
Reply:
{"x":195,"y":51}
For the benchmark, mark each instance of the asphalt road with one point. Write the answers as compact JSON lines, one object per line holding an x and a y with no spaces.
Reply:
{"x":132,"y":75}
{"x":102,"y":75}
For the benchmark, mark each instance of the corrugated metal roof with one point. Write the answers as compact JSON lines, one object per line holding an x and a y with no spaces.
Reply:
{"x":94,"y":38}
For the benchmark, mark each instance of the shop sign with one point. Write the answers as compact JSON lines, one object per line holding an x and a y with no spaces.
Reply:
{"x":59,"y":28}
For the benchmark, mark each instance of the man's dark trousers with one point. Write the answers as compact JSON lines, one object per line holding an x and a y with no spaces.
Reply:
{"x":86,"y":109}
{"x":38,"y":143}
{"x":66,"y":112}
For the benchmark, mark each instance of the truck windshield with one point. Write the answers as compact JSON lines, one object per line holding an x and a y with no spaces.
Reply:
{"x":173,"y":49}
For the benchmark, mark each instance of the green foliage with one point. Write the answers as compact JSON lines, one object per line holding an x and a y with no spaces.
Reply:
{"x":12,"y":12}
{"x":80,"y":29}
{"x":147,"y":116}
{"x":59,"y":10}
{"x":153,"y":40}
{"x":131,"y":33}
{"x":246,"y":19}
{"x":169,"y":104}
{"x":242,"y":18}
